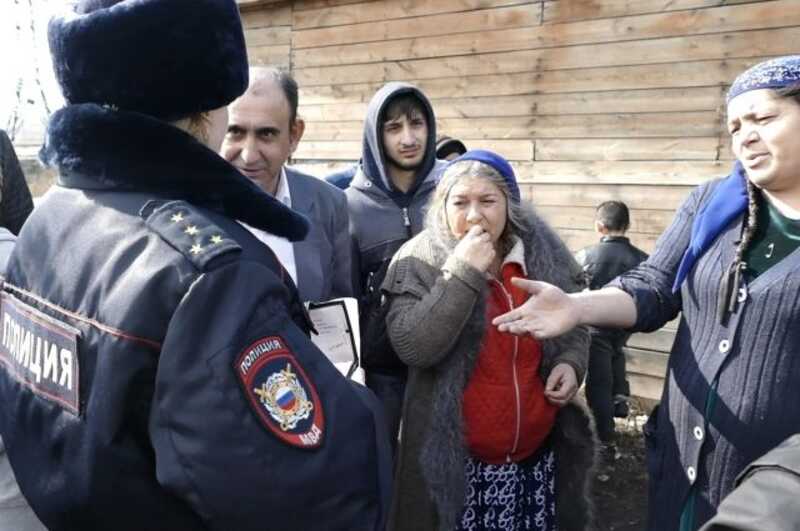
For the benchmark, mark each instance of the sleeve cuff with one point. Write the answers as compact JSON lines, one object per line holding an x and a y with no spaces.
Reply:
{"x":580,"y":372}
{"x":459,"y":268}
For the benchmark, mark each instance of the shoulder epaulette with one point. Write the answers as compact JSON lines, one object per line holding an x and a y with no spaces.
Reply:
{"x":184,"y":227}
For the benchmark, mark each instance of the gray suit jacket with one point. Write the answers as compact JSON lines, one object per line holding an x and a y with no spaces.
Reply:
{"x":323,"y":259}
{"x":767,"y":495}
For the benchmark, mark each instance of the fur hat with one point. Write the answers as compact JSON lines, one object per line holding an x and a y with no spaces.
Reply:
{"x":164,"y":58}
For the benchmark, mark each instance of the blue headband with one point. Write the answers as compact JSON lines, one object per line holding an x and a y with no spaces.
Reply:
{"x":498,"y":163}
{"x":728,"y":201}
{"x":775,"y":73}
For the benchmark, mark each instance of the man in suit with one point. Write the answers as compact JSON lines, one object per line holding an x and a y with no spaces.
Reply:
{"x":263,"y":132}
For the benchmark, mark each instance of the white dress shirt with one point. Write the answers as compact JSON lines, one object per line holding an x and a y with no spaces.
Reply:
{"x":282,"y":247}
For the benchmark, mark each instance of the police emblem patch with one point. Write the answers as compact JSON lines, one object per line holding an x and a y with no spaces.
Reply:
{"x":280,"y":393}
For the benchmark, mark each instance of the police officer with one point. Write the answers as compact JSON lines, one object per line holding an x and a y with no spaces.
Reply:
{"x":155,"y":368}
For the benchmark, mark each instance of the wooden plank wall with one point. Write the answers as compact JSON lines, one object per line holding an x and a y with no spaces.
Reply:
{"x":591,"y":99}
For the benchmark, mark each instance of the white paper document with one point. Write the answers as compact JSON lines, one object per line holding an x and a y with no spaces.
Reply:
{"x":336,"y":322}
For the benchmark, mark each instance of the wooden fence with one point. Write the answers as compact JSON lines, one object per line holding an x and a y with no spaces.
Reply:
{"x":590,"y":99}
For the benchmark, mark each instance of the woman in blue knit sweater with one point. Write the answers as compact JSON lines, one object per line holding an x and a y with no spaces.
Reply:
{"x":729,"y":264}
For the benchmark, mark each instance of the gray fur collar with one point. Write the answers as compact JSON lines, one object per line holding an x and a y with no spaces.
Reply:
{"x":442,"y":458}
{"x":546,"y":259}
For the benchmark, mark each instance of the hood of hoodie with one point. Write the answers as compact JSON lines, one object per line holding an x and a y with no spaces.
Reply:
{"x":373,"y":158}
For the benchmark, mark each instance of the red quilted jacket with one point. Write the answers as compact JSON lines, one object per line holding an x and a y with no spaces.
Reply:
{"x":506,"y":414}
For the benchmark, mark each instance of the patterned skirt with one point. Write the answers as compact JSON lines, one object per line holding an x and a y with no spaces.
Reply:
{"x":511,"y":497}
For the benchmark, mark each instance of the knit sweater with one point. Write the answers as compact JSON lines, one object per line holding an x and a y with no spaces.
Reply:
{"x":436,"y":322}
{"x":731,"y":391}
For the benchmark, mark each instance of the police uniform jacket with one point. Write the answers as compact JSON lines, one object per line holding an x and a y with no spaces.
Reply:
{"x":731,"y":391}
{"x":155,"y":369}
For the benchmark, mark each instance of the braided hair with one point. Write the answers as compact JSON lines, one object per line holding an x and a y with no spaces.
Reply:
{"x":729,"y":289}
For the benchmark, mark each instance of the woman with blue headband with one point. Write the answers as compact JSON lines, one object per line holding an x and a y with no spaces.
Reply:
{"x":490,"y":438}
{"x":729,"y":264}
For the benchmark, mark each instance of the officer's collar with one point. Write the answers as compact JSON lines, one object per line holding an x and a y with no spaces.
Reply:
{"x":99,"y":148}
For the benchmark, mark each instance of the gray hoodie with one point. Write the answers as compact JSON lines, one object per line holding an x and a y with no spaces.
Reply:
{"x":382,"y":218}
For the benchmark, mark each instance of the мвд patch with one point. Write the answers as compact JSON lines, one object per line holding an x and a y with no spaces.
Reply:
{"x":283,"y":398}
{"x":40,"y":352}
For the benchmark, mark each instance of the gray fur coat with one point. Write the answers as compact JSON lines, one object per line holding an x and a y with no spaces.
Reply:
{"x":436,"y":322}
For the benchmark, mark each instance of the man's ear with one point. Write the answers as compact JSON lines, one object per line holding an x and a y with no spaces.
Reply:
{"x":295,"y":134}
{"x":599,"y":228}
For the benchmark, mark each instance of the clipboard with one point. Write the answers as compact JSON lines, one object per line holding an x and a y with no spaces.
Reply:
{"x":338,"y":336}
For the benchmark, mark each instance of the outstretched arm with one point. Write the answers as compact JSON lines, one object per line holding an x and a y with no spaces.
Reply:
{"x":549,"y":312}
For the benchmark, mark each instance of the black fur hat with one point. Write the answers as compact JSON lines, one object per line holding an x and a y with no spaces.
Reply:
{"x":165,"y":58}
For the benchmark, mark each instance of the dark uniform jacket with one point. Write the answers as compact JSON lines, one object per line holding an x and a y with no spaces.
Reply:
{"x":156,"y":373}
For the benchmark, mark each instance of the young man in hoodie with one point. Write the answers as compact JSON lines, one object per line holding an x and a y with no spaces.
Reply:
{"x":386,"y":200}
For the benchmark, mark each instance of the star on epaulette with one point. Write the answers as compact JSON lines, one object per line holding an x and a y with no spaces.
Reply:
{"x":188,"y":230}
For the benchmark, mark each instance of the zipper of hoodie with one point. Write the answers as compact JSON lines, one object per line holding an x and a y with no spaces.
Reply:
{"x":407,"y":221}
{"x":515,"y":378}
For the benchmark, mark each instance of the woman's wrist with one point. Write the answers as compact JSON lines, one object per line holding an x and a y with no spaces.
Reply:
{"x":582,"y":305}
{"x":609,"y":307}
{"x":464,"y":271}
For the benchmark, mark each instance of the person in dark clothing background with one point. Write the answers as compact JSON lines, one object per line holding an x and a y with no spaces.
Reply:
{"x":16,"y":203}
{"x":342,"y":179}
{"x":607,"y":388}
{"x":448,"y":148}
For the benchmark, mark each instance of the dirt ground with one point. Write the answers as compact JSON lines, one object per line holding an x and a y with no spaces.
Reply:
{"x":621,"y":483}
